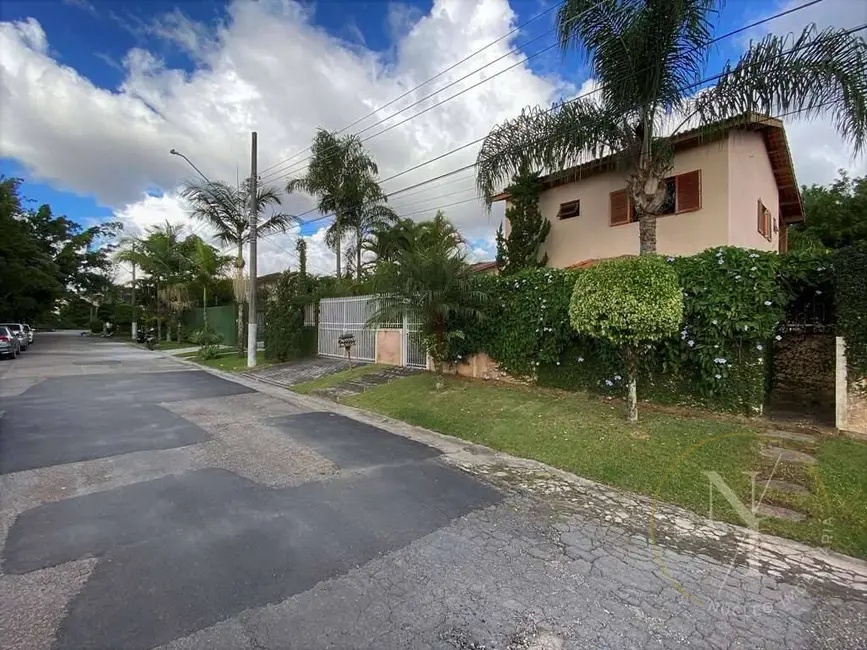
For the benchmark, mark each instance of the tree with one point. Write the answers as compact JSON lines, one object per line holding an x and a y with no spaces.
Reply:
{"x":649,"y":58}
{"x":835,"y":216}
{"x":366,"y":213}
{"x":225,"y":209}
{"x":528,"y":229}
{"x":628,"y":302}
{"x":341,"y":176}
{"x":207,"y":264}
{"x":429,"y":283}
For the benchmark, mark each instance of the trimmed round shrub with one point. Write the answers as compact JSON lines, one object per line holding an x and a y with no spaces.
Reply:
{"x":627,"y":301}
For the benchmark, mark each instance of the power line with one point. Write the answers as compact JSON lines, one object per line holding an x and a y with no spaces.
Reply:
{"x":436,"y":76}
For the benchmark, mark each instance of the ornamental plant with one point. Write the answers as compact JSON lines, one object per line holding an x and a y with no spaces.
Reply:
{"x":629,"y":303}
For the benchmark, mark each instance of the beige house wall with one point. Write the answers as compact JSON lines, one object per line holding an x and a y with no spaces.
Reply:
{"x":751,"y":179}
{"x":589,"y":236}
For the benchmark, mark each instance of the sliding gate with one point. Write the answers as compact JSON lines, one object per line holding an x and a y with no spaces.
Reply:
{"x":347,"y":315}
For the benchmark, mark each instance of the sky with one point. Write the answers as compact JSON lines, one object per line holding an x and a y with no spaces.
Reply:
{"x":94,"y":94}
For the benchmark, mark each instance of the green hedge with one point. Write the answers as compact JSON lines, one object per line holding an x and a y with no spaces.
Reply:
{"x":286,"y":336}
{"x":851,"y":303}
{"x":734,"y":300}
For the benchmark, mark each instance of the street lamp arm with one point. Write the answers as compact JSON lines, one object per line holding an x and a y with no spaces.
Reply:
{"x":175,"y":152}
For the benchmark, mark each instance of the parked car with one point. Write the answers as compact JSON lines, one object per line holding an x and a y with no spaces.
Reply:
{"x":31,"y":333}
{"x":10,"y":345}
{"x":17,"y":329}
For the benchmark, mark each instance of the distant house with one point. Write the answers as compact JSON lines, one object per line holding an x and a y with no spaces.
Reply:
{"x":731,"y":184}
{"x":485,"y":267}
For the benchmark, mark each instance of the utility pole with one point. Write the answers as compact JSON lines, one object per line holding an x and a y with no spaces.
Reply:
{"x":252,"y":324}
{"x":134,"y":310}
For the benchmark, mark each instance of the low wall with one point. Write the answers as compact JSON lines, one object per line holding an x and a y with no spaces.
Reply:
{"x":851,"y":396}
{"x":478,"y":366}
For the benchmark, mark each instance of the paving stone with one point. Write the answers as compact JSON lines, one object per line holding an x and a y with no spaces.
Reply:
{"x":787,"y":455}
{"x":778,"y":512}
{"x":788,"y":435}
{"x":783,"y":486}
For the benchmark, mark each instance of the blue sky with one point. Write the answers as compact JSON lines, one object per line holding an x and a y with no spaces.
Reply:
{"x":171,"y":71}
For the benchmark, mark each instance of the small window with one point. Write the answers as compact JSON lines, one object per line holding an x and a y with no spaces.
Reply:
{"x":569,"y":209}
{"x":764,"y":221}
{"x":670,"y":203}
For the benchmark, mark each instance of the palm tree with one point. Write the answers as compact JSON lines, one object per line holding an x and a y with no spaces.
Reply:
{"x":225,"y":209}
{"x":649,"y":57}
{"x":429,"y":282}
{"x":207,"y":264}
{"x":341,"y":175}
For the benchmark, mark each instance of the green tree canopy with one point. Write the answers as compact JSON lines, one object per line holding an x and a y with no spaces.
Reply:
{"x":835,"y":216}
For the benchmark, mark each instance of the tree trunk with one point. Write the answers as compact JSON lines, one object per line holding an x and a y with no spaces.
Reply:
{"x":647,"y":189}
{"x":647,"y":234}
{"x":240,"y":298}
{"x":337,"y":256}
{"x":632,"y":387}
{"x":358,"y":256}
{"x":205,"y":307}
{"x":438,"y":369}
{"x":159,"y":320}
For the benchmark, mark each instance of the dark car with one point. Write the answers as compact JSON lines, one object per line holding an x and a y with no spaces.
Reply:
{"x":10,"y":345}
{"x":17,"y":329}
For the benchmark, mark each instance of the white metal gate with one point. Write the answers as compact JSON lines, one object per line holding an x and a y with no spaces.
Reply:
{"x":339,"y":315}
{"x":414,"y":355}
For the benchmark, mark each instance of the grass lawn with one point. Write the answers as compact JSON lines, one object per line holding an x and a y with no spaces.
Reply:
{"x":337,"y":378}
{"x":663,"y":456}
{"x":168,"y":345}
{"x":229,"y":361}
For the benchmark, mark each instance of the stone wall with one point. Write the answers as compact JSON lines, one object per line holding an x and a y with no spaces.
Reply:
{"x":804,"y":373}
{"x":851,"y":396}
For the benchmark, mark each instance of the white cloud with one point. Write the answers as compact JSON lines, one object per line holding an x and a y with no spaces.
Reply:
{"x":266,"y":68}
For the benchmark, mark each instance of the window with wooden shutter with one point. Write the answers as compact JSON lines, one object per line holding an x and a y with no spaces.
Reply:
{"x":620,"y":208}
{"x":569,"y":209}
{"x":688,"y":188}
{"x":763,"y":221}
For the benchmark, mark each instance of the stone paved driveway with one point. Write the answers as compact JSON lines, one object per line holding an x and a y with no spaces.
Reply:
{"x":300,"y":371}
{"x":261,"y":519}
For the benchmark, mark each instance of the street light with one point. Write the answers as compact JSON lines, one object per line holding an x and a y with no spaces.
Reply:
{"x":175,"y":152}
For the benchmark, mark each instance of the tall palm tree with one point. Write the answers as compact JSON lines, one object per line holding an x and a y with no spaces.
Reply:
{"x":649,"y":57}
{"x":429,"y":282}
{"x":225,"y":209}
{"x":341,"y":176}
{"x":367,"y":213}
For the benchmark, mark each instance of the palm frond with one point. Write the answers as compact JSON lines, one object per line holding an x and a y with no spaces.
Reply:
{"x":813,"y":73}
{"x":537,"y":139}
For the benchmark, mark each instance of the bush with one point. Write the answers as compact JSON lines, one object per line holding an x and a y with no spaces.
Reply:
{"x":209,"y":342}
{"x":96,"y":326}
{"x":286,"y":337}
{"x":850,"y":270}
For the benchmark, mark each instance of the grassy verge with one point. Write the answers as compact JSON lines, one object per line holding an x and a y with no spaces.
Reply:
{"x":229,"y":361}
{"x":337,"y":378}
{"x":664,"y":456}
{"x":168,"y":345}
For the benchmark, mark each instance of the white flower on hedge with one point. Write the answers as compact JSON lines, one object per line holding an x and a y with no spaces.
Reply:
{"x":754,"y":268}
{"x":580,"y":359}
{"x":737,"y":277}
{"x":746,"y":327}
{"x":669,"y":259}
{"x":768,"y":303}
{"x":778,"y":337}
{"x":719,"y":252}
{"x":720,"y":360}
{"x":754,"y":255}
{"x":690,"y":343}
{"x":715,"y":321}
{"x":608,"y":382}
{"x":718,"y":376}
{"x":818,"y":292}
{"x":759,"y":347}
{"x":719,"y":261}
{"x":558,"y":363}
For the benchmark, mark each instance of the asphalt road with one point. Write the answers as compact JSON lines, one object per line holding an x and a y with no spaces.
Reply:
{"x":146,"y":504}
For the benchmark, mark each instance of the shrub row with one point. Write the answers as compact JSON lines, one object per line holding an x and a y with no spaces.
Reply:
{"x":734,"y":300}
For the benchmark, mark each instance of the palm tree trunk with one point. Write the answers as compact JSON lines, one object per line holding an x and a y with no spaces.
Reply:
{"x":358,"y":255}
{"x":159,"y":320}
{"x":205,"y":307}
{"x":239,"y":279}
{"x":647,"y":234}
{"x":337,"y":256}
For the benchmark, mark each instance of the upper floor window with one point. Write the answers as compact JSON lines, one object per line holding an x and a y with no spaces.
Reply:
{"x":683,"y":195}
{"x":764,"y":221}
{"x":569,"y":209}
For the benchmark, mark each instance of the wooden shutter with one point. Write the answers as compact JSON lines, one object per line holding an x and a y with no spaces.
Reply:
{"x":689,"y":191}
{"x":619,"y":208}
{"x":760,"y":217}
{"x":569,"y":209}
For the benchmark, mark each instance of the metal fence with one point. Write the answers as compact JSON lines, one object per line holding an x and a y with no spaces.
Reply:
{"x":347,"y":315}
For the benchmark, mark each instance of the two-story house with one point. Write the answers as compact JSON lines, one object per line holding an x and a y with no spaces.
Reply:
{"x":733,"y":185}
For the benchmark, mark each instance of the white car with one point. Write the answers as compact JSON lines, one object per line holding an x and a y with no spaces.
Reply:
{"x":30,"y":333}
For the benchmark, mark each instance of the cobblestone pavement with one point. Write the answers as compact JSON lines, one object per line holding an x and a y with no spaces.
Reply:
{"x":555,"y":562}
{"x":300,"y":371}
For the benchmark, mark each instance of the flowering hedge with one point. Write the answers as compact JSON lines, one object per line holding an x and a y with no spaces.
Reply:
{"x":734,"y":300}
